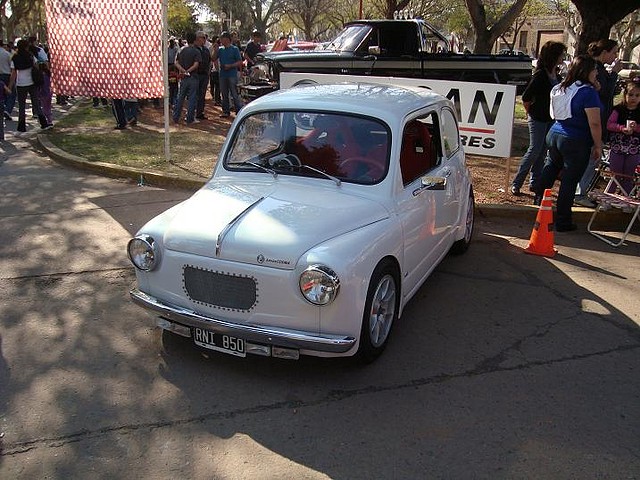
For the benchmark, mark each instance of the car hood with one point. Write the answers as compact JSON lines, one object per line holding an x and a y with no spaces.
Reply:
{"x":265,"y":223}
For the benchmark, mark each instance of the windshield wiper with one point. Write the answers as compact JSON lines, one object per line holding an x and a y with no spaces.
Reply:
{"x":324,"y":174}
{"x":257,"y":165}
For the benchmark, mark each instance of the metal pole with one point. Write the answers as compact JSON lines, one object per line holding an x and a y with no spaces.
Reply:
{"x":165,"y":77}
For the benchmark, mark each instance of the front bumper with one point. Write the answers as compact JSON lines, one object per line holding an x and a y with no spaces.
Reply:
{"x":273,"y":336}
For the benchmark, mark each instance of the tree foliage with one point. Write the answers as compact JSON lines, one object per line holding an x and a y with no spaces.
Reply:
{"x":27,"y":18}
{"x":310,"y":17}
{"x":262,"y":14}
{"x":181,"y":18}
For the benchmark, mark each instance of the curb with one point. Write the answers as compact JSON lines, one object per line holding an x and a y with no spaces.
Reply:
{"x":613,"y":218}
{"x":117,"y":171}
{"x":581,"y":215}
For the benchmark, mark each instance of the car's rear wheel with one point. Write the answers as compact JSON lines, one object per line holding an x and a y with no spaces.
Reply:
{"x":380,"y":311}
{"x":462,"y":245}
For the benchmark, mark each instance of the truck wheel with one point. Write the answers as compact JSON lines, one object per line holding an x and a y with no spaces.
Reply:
{"x":380,"y":311}
{"x":462,"y":245}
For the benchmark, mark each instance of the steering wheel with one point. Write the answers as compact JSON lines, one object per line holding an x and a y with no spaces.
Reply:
{"x":289,"y":159}
{"x":293,"y":159}
{"x":358,"y":167}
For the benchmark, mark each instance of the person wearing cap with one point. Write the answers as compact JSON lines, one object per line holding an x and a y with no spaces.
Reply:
{"x":230,"y":62}
{"x":253,"y":48}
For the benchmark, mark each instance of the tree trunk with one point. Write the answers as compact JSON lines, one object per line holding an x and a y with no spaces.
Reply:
{"x":486,"y":36}
{"x":598,"y":18}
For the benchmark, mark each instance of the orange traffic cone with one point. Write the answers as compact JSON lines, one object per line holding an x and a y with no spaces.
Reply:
{"x":541,"y":241}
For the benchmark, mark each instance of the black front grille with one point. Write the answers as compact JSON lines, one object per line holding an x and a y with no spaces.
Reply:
{"x":220,"y":289}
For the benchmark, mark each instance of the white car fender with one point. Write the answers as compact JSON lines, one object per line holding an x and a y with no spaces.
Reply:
{"x":354,"y":266}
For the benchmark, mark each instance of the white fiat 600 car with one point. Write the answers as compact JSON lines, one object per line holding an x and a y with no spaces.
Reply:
{"x":329,"y":206}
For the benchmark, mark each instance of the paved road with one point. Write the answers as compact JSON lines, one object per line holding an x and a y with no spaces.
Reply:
{"x":505,"y":365}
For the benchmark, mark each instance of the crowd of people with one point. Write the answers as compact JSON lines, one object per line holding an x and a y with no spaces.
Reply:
{"x":208,"y":65}
{"x":24,"y":71}
{"x":570,"y":119}
{"x":196,"y":65}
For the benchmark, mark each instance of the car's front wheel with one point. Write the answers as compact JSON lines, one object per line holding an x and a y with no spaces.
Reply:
{"x":380,"y":311}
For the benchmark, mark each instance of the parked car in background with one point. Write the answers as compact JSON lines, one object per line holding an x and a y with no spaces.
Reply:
{"x":328,"y":208}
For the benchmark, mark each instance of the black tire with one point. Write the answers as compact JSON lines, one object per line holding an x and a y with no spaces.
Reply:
{"x":380,"y":311}
{"x":462,"y":245}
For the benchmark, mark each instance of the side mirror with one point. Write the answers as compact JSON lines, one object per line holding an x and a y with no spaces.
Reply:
{"x":375,"y":50}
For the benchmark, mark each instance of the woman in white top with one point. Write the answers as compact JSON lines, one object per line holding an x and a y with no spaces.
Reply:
{"x":21,"y":65}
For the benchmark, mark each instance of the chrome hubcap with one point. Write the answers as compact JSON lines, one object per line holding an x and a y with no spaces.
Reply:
{"x":383,"y":309}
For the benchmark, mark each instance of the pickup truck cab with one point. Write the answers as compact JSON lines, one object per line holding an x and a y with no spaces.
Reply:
{"x":395,"y":48}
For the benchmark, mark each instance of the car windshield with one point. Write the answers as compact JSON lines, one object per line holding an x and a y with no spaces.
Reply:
{"x":312,"y":144}
{"x":349,"y":38}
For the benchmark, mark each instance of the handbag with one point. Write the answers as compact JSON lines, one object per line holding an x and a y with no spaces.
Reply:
{"x":37,"y":75}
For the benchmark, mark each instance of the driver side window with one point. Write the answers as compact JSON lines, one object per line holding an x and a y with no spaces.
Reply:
{"x":419,"y":152}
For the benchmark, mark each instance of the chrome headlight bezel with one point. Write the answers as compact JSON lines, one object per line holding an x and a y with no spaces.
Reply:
{"x":319,"y":285}
{"x":143,"y":252}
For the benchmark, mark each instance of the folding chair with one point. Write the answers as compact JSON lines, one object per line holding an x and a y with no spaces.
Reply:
{"x":628,"y":202}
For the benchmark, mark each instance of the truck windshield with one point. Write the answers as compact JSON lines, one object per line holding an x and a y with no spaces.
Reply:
{"x":349,"y":39}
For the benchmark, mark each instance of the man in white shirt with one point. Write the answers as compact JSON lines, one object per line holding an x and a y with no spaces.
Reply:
{"x":5,"y":73}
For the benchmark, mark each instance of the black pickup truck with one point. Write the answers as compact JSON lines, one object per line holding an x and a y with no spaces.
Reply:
{"x":391,"y":48}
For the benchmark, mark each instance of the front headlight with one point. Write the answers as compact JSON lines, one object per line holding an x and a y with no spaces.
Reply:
{"x":319,"y":284}
{"x":143,"y":253}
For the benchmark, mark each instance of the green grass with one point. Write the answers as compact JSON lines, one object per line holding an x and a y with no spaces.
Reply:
{"x":519,"y":112}
{"x":88,"y":132}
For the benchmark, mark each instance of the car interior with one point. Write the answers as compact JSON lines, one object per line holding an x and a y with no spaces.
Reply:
{"x":419,"y":152}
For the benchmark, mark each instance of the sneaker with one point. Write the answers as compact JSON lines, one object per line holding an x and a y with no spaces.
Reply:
{"x":201,"y":117}
{"x":584,"y":202}
{"x":120,"y":127}
{"x":133,"y":122}
{"x":194,"y":121}
{"x":48,"y":127}
{"x":514,"y":190}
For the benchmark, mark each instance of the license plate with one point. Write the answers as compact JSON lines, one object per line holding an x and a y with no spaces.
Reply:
{"x":219,"y":342}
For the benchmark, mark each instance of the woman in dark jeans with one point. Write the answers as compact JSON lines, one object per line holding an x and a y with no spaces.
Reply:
{"x":574,"y":138}
{"x":21,"y":65}
{"x":536,"y":102}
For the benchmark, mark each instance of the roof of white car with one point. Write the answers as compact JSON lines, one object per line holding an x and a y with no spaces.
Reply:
{"x":381,"y":101}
